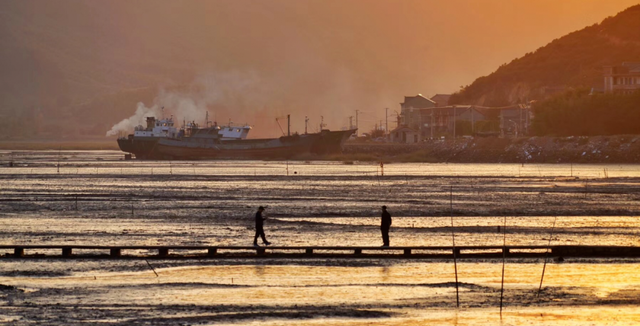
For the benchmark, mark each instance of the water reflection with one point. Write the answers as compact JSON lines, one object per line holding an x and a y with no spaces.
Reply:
{"x":416,"y":293}
{"x":110,"y":162}
{"x":385,"y":273}
{"x":326,"y":203}
{"x":260,"y":271}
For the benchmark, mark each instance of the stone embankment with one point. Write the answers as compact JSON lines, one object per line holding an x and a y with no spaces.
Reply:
{"x":601,"y":149}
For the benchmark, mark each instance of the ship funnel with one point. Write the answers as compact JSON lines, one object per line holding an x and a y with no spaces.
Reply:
{"x":151,"y":122}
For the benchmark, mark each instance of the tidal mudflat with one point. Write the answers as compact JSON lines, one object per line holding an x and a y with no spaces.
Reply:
{"x":94,"y":198}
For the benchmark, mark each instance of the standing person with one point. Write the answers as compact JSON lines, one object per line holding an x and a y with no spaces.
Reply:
{"x":385,"y":225}
{"x":260,"y":228}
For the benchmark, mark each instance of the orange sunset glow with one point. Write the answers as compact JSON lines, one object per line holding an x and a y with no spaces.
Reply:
{"x":320,"y":162}
{"x":266,"y":58}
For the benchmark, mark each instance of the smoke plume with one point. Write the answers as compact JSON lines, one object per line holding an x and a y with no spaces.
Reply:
{"x":138,"y":118}
{"x":249,"y":98}
{"x":215,"y":94}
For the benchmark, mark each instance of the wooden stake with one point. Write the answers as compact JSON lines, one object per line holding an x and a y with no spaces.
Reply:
{"x":153,"y":269}
{"x":546,"y":256}
{"x":453,"y":241}
{"x":504,"y":254}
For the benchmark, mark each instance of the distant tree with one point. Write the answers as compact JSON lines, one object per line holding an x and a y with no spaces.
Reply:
{"x":487,"y":126}
{"x":375,"y":133}
{"x":576,"y":113}
{"x":463,"y":127}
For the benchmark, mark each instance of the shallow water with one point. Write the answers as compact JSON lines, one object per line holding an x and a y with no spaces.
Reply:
{"x":111,"y":162}
{"x":377,"y":292}
{"x":93,"y":197}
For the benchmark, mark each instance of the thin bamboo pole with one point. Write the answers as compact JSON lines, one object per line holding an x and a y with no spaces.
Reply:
{"x":546,"y":256}
{"x":504,"y":255}
{"x":453,"y":241}
{"x":153,"y":269}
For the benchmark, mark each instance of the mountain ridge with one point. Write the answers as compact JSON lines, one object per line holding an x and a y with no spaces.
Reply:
{"x":571,"y":61}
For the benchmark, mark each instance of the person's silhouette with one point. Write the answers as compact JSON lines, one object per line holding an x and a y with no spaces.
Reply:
{"x":260,"y":228}
{"x":385,"y":225}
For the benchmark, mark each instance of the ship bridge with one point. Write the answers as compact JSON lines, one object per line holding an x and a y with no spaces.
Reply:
{"x":156,"y":128}
{"x":234,"y":132}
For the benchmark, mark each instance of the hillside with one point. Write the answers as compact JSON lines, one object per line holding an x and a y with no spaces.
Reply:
{"x":73,"y":69}
{"x":572,"y":61}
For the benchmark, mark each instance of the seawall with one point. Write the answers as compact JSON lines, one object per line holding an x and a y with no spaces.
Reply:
{"x":601,"y":149}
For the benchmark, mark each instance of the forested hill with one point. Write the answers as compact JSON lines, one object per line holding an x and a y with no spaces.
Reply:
{"x":574,"y":60}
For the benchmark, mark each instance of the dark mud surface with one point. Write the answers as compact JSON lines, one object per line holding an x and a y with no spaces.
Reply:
{"x":95,"y":199}
{"x":399,"y":293}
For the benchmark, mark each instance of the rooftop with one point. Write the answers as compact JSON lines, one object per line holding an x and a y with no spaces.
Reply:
{"x":417,"y":101}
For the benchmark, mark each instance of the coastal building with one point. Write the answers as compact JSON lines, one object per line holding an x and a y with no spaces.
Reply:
{"x":441,"y":99}
{"x":405,"y":135}
{"x":515,"y":120}
{"x":622,"y":79}
{"x":440,"y":120}
{"x":411,"y":110}
{"x":422,"y":118}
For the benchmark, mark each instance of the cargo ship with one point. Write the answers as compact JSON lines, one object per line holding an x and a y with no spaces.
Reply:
{"x":161,"y":140}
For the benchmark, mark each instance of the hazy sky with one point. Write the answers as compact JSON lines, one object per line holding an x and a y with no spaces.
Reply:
{"x":253,"y":60}
{"x":374,"y":52}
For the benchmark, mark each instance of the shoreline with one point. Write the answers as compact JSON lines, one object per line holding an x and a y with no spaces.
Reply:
{"x":599,"y":149}
{"x":619,"y":149}
{"x":34,"y":145}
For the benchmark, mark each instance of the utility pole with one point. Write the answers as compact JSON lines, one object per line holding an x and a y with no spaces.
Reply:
{"x":351,"y":122}
{"x":306,"y":120}
{"x":432,"y":121}
{"x":288,"y":125}
{"x":420,"y":124}
{"x":321,"y":123}
{"x":386,"y":120}
{"x":501,"y":124}
{"x":526,"y":119}
{"x":520,"y":106}
{"x":473,"y":122}
{"x":454,"y":123}
{"x":357,"y":123}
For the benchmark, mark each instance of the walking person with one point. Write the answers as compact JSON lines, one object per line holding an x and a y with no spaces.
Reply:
{"x":385,"y":225}
{"x":260,"y":228}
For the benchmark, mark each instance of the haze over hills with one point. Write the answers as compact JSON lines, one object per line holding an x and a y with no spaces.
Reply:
{"x":74,"y":69}
{"x":572,"y":61}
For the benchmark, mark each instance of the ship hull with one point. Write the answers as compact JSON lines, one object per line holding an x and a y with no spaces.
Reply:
{"x":141,"y":147}
{"x":154,"y":148}
{"x":196,"y":149}
{"x":331,"y":142}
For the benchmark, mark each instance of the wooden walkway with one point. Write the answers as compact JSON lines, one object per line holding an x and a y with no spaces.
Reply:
{"x":190,"y":252}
